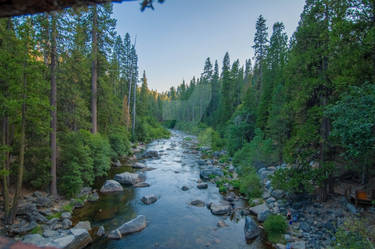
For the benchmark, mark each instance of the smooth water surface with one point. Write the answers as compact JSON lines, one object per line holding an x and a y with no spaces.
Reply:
{"x":171,"y":222}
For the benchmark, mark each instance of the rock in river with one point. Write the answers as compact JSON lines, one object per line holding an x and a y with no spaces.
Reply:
{"x":251,"y":229}
{"x":132,"y":226}
{"x":127,"y":178}
{"x":184,"y":188}
{"x":149,"y":199}
{"x":151,"y":154}
{"x":205,"y":174}
{"x":202,"y":186}
{"x":197,"y":203}
{"x":111,"y":186}
{"x":141,"y":185}
{"x":220,"y":209}
{"x":138,"y":165}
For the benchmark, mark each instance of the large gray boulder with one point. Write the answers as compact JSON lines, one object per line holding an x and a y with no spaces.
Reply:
{"x":83,"y":225}
{"x":138,"y":165}
{"x":22,"y":228}
{"x":220,"y":208}
{"x":205,"y":174}
{"x":111,"y":186}
{"x":135,"y":225}
{"x":77,"y":239}
{"x":251,"y":229}
{"x":127,"y":178}
{"x":259,"y":209}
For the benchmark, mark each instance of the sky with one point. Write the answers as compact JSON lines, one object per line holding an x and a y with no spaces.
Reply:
{"x":174,"y":40}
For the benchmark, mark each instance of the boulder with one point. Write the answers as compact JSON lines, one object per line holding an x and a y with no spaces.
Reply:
{"x":83,"y":225}
{"x":262,"y":216}
{"x":197,"y":203}
{"x":77,"y":239}
{"x":138,"y":165}
{"x":220,"y":209}
{"x":101,"y":231}
{"x":117,"y":163}
{"x":150,"y":154}
{"x":207,"y":173}
{"x":221,"y":224}
{"x":141,"y":185}
{"x":111,"y":186}
{"x":149,"y":199}
{"x":251,"y":229}
{"x":66,"y":223}
{"x":278,"y":194}
{"x":93,"y":197}
{"x":85,"y":191}
{"x":202,"y":186}
{"x":22,"y":228}
{"x":50,"y":233}
{"x":35,"y":239}
{"x":135,"y":225}
{"x":184,"y":188}
{"x":66,"y":215}
{"x":127,"y":178}
{"x":259,"y":209}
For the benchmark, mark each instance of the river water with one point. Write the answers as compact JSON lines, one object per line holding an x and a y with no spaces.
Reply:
{"x":171,"y":221}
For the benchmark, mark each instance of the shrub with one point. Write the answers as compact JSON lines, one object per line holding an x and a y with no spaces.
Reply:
{"x":250,"y":184}
{"x":119,"y":142}
{"x":275,"y":226}
{"x":209,"y":137}
{"x":257,"y":153}
{"x":148,"y":129}
{"x":83,"y":157}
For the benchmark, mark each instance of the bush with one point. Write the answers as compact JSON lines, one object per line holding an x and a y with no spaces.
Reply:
{"x":148,"y":129}
{"x":84,"y":156}
{"x":257,"y":153}
{"x":275,"y":226}
{"x":119,"y":142}
{"x":209,"y":137}
{"x":250,"y":184}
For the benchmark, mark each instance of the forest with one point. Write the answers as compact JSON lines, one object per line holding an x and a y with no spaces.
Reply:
{"x":73,"y":102}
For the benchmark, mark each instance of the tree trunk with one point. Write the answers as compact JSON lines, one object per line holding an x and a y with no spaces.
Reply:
{"x":94,"y":72}
{"x":5,"y":174}
{"x":18,"y":193}
{"x":134,"y":104}
{"x":53,"y":106}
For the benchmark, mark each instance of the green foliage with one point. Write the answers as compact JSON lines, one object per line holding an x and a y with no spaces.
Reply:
{"x":250,"y":184}
{"x":353,"y":121}
{"x":37,"y":230}
{"x":119,"y":141}
{"x":148,"y":129}
{"x":84,"y":156}
{"x":354,"y":234}
{"x":275,"y":226}
{"x":55,"y":215}
{"x":210,"y":138}
{"x":257,"y":153}
{"x":68,"y":208}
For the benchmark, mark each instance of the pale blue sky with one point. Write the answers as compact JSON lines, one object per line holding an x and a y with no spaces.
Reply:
{"x":174,"y":40}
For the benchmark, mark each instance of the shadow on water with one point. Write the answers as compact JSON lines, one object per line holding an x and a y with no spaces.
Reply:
{"x":171,"y":222}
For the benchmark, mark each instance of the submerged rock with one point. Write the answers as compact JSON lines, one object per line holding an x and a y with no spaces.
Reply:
{"x":150,"y":154}
{"x":149,"y":199}
{"x":135,"y":225}
{"x":184,"y":188}
{"x":111,"y":186}
{"x":197,"y":203}
{"x":138,"y":165}
{"x":251,"y":229}
{"x":141,"y":185}
{"x":127,"y":178}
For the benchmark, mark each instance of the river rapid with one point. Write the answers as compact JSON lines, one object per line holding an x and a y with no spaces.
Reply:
{"x":171,"y":221}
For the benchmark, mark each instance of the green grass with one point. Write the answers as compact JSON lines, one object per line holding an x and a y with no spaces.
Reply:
{"x":55,"y":215}
{"x":37,"y":230}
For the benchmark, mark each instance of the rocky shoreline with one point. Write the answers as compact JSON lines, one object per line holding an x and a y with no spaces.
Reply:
{"x":44,"y":221}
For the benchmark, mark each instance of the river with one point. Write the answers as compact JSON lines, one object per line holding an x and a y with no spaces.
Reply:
{"x":171,"y":221}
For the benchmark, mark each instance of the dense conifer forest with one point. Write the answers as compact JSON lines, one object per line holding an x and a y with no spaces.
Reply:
{"x":73,"y":102}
